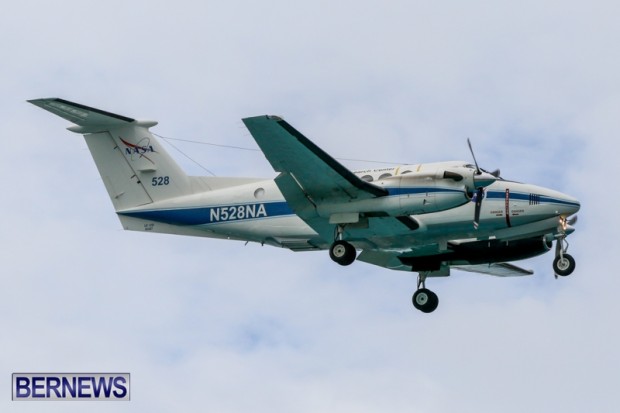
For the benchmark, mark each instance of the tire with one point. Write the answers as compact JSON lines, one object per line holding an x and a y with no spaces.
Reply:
{"x":342,"y":252}
{"x":425,"y":300}
{"x":564,"y":265}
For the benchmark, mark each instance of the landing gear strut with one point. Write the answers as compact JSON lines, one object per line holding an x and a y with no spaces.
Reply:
{"x":341,"y":251}
{"x":563,"y":264}
{"x":424,"y":299}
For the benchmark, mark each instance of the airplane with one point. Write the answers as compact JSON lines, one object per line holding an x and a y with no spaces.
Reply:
{"x":423,"y":218}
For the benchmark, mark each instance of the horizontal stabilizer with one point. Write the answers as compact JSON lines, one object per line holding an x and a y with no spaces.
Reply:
{"x":89,"y":119}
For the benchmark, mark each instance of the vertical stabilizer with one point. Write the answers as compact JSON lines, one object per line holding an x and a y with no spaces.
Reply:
{"x":134,"y":166}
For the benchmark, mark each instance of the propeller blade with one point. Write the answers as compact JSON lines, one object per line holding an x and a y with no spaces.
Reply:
{"x":479,"y":195}
{"x":473,"y":156}
{"x":482,"y":177}
{"x":572,"y":220}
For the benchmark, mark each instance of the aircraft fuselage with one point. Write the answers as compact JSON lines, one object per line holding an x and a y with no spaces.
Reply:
{"x":258,"y":212}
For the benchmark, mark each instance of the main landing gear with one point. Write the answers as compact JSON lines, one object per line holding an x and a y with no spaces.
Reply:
{"x":344,"y":253}
{"x":424,"y":299}
{"x":341,"y":251}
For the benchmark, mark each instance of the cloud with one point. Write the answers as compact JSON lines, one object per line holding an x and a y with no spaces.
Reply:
{"x":218,"y":326}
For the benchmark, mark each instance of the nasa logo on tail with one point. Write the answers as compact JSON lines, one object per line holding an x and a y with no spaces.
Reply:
{"x":140,"y":149}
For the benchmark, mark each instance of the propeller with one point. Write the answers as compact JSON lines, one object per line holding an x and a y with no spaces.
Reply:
{"x":482,"y":179}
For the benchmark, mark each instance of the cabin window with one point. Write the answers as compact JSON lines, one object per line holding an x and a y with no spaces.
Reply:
{"x":385,"y":175}
{"x":367,"y":178}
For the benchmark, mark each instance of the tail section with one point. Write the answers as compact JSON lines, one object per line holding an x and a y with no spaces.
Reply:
{"x":135,"y":168}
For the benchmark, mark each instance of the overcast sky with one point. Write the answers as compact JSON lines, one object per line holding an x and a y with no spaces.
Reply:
{"x":216,"y":326}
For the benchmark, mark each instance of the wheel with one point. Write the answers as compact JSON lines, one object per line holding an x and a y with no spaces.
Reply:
{"x":425,"y":300}
{"x":564,"y":265}
{"x":342,"y":252}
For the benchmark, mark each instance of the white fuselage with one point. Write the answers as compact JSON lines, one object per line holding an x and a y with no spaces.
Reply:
{"x":256,"y":211}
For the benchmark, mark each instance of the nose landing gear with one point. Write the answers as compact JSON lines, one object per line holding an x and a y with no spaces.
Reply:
{"x":563,"y":264}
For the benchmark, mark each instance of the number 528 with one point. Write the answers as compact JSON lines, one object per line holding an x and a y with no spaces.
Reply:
{"x":160,"y":180}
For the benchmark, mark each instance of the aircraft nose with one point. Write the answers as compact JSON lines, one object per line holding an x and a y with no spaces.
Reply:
{"x":569,"y":205}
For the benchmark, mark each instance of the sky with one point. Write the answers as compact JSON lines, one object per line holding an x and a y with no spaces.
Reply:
{"x":216,"y":326}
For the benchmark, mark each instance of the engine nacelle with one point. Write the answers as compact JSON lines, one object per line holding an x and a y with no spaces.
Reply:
{"x":412,"y":190}
{"x":409,"y":194}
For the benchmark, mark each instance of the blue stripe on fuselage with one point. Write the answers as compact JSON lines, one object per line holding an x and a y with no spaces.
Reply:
{"x":214,"y":214}
{"x":240,"y":212}
{"x":526,"y":197}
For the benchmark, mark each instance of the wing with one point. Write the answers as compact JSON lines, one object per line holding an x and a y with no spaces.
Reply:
{"x":319,"y":176}
{"x":310,"y":177}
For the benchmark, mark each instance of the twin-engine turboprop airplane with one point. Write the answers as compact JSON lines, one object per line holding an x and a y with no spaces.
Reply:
{"x":425,"y":218}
